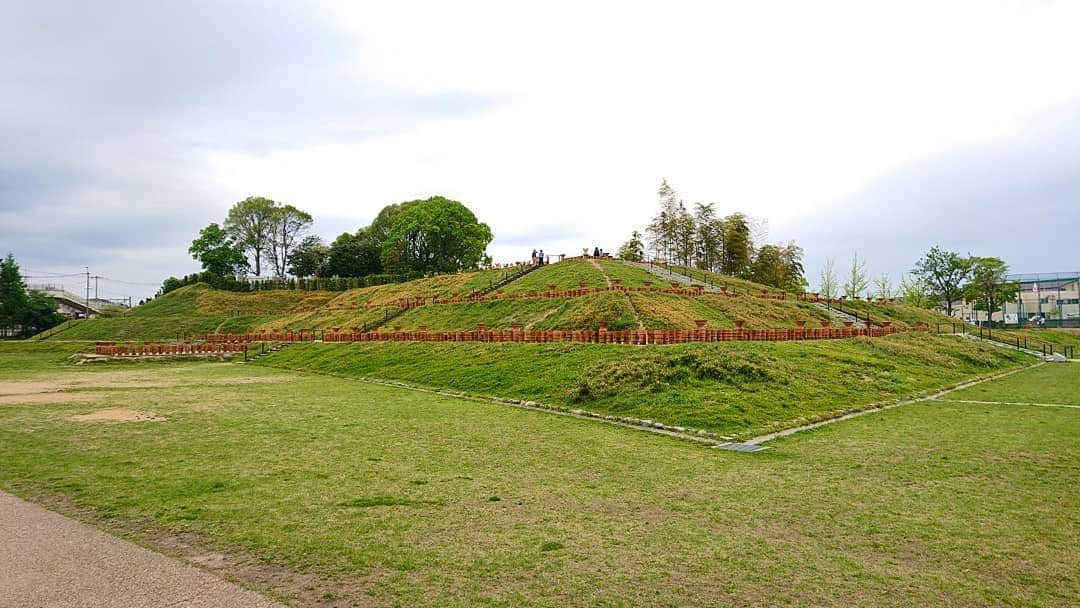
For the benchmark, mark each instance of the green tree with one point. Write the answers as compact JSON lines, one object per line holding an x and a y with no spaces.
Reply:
{"x":435,"y":235}
{"x":738,"y":245}
{"x":884,"y":286}
{"x":857,"y":281}
{"x":916,"y":292}
{"x":354,"y":255}
{"x":663,"y":231}
{"x":216,"y":251}
{"x":287,"y":226}
{"x":779,"y":266}
{"x":708,"y":239}
{"x":309,"y":258}
{"x":33,"y":310}
{"x":42,"y":312}
{"x":944,"y":272}
{"x":989,"y":287}
{"x":830,"y":283}
{"x":633,"y":250}
{"x":251,"y":224}
{"x":13,"y":300}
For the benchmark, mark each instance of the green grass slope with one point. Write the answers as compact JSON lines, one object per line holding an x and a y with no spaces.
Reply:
{"x":197,"y":309}
{"x":728,"y":388}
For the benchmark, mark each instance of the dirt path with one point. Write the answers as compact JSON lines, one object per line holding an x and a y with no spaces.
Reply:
{"x":629,"y":302}
{"x":601,"y":269}
{"x":540,"y":318}
{"x":47,"y":559}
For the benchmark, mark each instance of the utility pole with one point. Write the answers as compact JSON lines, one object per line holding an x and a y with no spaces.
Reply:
{"x":96,"y":277}
{"x":87,"y":311}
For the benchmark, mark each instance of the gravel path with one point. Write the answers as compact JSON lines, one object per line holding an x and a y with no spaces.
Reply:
{"x":47,"y":559}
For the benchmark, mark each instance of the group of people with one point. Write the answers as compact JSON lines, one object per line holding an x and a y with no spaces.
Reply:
{"x":538,"y":258}
{"x":596,"y":252}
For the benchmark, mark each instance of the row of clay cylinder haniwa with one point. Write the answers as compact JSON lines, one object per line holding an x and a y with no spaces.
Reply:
{"x":582,"y":290}
{"x":553,"y":292}
{"x":141,"y":350}
{"x":517,"y":334}
{"x":605,"y":336}
{"x":263,"y":335}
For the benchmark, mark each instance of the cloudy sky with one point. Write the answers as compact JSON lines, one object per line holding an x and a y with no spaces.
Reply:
{"x":882,"y":128}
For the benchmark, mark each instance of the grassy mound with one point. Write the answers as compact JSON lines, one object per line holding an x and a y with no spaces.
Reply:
{"x":730,"y":388}
{"x":197,"y":309}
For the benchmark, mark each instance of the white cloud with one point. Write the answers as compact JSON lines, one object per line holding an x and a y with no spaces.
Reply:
{"x":778,"y":109}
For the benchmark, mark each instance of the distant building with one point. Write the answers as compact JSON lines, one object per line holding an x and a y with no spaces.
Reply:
{"x":1054,"y":297}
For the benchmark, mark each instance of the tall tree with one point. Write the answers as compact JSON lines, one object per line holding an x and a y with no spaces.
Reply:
{"x":945,"y":273}
{"x":915,"y":292}
{"x":884,"y":286}
{"x":13,"y":301}
{"x":309,"y":258}
{"x":830,"y":283}
{"x":435,"y":235}
{"x":708,"y":240}
{"x":633,"y":250}
{"x":738,"y":245}
{"x":287,"y":225}
{"x":857,"y":280}
{"x":663,"y":231}
{"x":217,"y":252}
{"x":354,"y":255}
{"x":251,"y":224}
{"x":33,"y":310}
{"x":779,"y":266}
{"x":989,"y":287}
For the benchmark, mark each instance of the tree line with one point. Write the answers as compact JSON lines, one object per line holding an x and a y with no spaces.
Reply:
{"x":31,"y":310}
{"x":937,"y":280}
{"x":408,"y":239}
{"x":704,"y":240}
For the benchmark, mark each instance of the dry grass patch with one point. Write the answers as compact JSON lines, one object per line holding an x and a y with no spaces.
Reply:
{"x":118,"y":414}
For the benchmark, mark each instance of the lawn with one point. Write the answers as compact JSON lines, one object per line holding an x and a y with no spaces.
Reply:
{"x":738,"y":388}
{"x":563,"y":275}
{"x":1052,"y":383}
{"x":400,"y":498}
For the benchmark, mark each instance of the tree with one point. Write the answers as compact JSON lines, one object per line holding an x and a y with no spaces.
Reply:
{"x":857,"y":280}
{"x":915,"y":292}
{"x":217,"y":252}
{"x":830,"y":283}
{"x":738,"y":245}
{"x":42,"y":311}
{"x":944,"y":272}
{"x":287,"y":225}
{"x":663,"y":231}
{"x":708,"y":240}
{"x":354,"y":255}
{"x":250,"y":223}
{"x":435,"y":235}
{"x":31,"y":310}
{"x":884,"y":286}
{"x":633,"y":250}
{"x":309,"y":258}
{"x":989,"y":287}
{"x":13,"y":300}
{"x":779,"y":266}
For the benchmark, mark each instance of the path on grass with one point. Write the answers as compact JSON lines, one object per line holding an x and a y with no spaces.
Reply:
{"x":626,"y":296}
{"x":47,"y":559}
